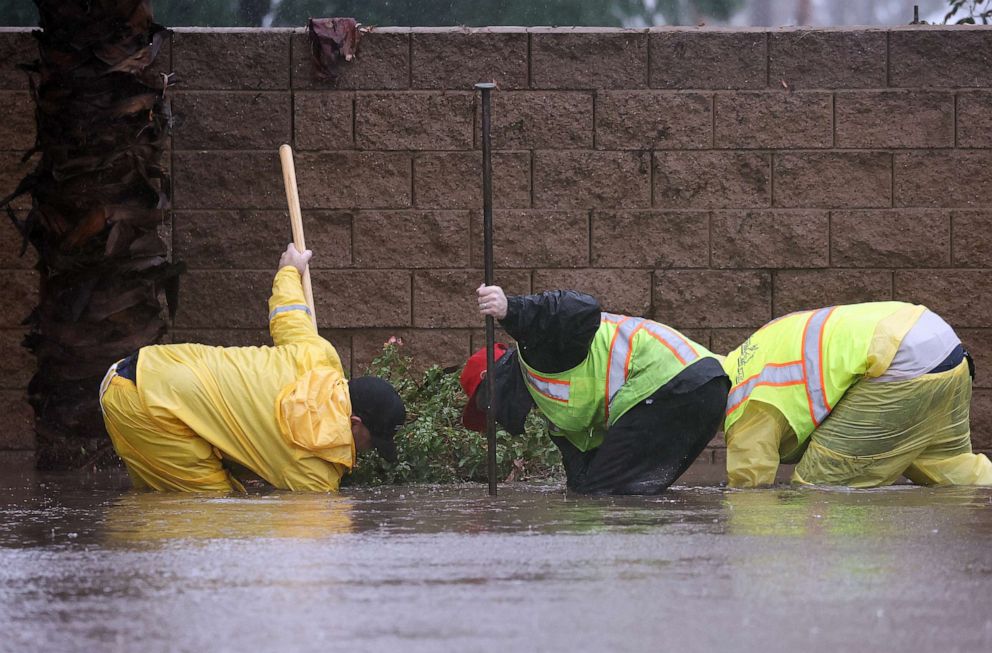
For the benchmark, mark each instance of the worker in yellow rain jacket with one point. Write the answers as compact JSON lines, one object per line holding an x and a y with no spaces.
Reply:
{"x":287,"y":412}
{"x":857,"y":395}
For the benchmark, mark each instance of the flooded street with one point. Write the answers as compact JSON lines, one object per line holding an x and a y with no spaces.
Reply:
{"x":86,"y":565}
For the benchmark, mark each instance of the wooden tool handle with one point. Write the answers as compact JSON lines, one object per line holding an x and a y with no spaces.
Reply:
{"x":296,"y":219}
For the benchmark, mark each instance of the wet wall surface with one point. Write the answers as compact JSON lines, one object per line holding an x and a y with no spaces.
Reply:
{"x":86,"y":565}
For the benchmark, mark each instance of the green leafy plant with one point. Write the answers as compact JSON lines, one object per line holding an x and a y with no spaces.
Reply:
{"x":976,"y":10}
{"x":434,"y":447}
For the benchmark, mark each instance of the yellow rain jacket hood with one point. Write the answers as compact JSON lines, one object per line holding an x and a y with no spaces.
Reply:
{"x":315,"y":414}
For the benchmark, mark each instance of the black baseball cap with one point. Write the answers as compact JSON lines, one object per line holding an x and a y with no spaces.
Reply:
{"x":381,"y":410}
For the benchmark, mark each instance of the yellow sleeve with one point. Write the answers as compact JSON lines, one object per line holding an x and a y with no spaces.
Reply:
{"x":888,"y":336}
{"x":753,"y":446}
{"x":289,"y":315}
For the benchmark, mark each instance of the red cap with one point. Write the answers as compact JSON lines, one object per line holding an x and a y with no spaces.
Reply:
{"x":471,"y":378}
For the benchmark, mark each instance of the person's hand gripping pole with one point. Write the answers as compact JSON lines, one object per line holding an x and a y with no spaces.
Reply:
{"x":492,"y":301}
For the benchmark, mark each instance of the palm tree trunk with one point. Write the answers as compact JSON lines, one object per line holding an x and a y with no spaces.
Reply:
{"x":99,"y":212}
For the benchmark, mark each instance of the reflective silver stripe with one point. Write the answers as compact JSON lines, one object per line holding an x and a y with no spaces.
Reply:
{"x":819,"y":408}
{"x":622,"y":345}
{"x":290,"y":307}
{"x":787,"y":374}
{"x":550,"y":389}
{"x":679,"y":345}
{"x":105,"y":383}
{"x":620,"y":348}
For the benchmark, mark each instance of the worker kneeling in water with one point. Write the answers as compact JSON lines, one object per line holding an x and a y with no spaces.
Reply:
{"x":631,"y":402}
{"x":857,"y":395}
{"x":285,"y":412}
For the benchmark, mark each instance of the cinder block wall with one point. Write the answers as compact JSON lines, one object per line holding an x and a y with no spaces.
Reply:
{"x":708,"y":179}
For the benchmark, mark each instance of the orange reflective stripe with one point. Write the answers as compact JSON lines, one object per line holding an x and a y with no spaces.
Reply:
{"x":622,"y":349}
{"x":684,"y":352}
{"x":809,"y":370}
{"x":551,"y":388}
{"x":772,"y":374}
{"x":620,"y":352}
{"x":813,"y":368}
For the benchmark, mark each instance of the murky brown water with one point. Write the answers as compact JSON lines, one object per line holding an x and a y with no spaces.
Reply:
{"x":88,"y":566}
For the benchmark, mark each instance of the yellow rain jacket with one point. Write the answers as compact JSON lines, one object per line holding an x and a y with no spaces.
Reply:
{"x":283,"y":412}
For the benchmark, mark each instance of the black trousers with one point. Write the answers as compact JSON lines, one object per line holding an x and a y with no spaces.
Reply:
{"x":653,"y":444}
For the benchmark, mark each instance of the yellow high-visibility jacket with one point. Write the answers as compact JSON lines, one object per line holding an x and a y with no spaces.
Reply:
{"x":787,"y":376}
{"x":283,"y":412}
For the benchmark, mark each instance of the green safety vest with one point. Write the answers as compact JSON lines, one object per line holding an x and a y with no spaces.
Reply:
{"x":628,"y":360}
{"x":804,"y":362}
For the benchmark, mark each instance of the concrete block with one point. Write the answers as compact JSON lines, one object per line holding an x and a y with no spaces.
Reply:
{"x":453,"y":180}
{"x":591,"y":179}
{"x":897,"y":239}
{"x":773,"y":119}
{"x":459,"y":60}
{"x":770,"y":239}
{"x":589,"y":60}
{"x":712,"y":298}
{"x":534,"y":238}
{"x":650,"y":239}
{"x":231,"y":60}
{"x":627,"y":292}
{"x":833,"y":179}
{"x":804,"y":58}
{"x":641,"y":120}
{"x":706,"y":180}
{"x":412,"y":239}
{"x":683,"y":59}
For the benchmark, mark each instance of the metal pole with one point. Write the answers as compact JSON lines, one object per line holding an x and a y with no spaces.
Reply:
{"x":487,"y":230}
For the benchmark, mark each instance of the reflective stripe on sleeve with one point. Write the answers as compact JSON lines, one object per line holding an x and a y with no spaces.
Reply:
{"x":620,"y":352}
{"x":289,"y":307}
{"x":678,"y":345}
{"x":622,"y":345}
{"x":550,"y":388}
{"x":816,"y":392}
{"x":105,"y":383}
{"x":774,"y":374}
{"x":808,"y":371}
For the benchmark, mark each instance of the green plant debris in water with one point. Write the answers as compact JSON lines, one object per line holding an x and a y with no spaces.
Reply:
{"x":434,"y":447}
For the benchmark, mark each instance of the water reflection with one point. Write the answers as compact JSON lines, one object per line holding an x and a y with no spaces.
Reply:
{"x":85,"y":567}
{"x":150,"y":518}
{"x":529,"y":509}
{"x":846,"y":513}
{"x":55,"y":513}
{"x":849,"y":545}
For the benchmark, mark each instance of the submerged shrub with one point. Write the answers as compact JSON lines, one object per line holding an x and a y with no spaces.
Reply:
{"x":434,"y":447}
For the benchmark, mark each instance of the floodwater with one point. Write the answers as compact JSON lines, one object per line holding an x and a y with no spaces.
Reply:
{"x":86,"y":565}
